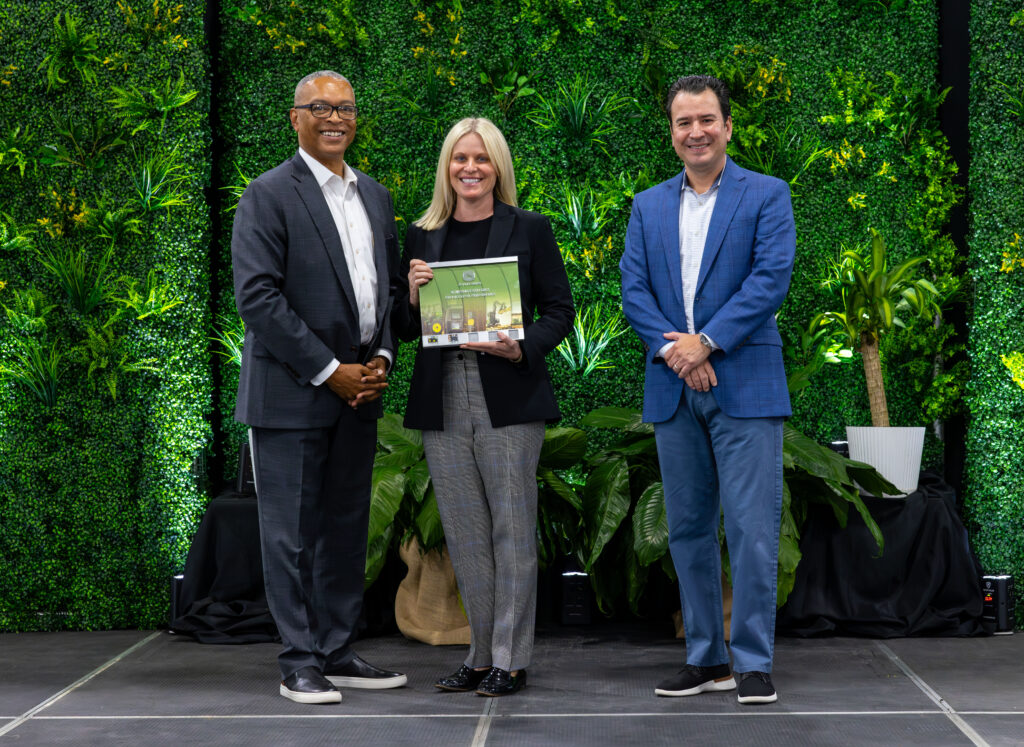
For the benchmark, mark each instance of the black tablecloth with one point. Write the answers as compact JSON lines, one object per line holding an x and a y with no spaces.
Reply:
{"x":222,"y":596}
{"x":926,"y":583}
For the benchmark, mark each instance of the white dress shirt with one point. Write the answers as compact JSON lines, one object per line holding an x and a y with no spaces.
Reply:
{"x":356,"y":236}
{"x":694,"y":219}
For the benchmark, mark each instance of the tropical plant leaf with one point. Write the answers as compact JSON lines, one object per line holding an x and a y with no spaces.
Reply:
{"x":789,"y":558}
{"x":386,"y":493}
{"x":428,"y":523}
{"x":623,"y":418}
{"x":559,"y":487}
{"x":650,"y":525}
{"x":636,"y":574}
{"x":870,"y":479}
{"x":417,"y":480}
{"x":403,"y":459}
{"x":872,"y":525}
{"x":563,"y":447}
{"x":394,"y":436}
{"x":376,"y":556}
{"x":633,"y":445}
{"x":605,"y":504}
{"x":799,"y":451}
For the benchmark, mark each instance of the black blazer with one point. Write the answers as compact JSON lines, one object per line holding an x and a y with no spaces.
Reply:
{"x":515,"y":393}
{"x":293,"y":291}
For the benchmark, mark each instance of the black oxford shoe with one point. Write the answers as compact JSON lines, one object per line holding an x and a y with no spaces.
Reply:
{"x":462,"y":681}
{"x":308,"y":685}
{"x":500,"y":682}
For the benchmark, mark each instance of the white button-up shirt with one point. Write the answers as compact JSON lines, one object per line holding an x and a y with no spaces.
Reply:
{"x":694,"y":219}
{"x":353,"y":226}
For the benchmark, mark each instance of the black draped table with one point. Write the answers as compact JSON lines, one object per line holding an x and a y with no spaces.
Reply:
{"x":222,"y":599}
{"x":927,"y":582}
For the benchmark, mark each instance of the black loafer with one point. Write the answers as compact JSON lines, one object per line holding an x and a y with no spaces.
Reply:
{"x":462,"y":681}
{"x":501,"y":682}
{"x":308,"y":685}
{"x":360,"y":674}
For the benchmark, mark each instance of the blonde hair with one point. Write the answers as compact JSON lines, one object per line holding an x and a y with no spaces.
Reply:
{"x":442,"y":204}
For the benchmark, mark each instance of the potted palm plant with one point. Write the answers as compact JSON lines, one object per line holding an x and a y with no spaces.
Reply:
{"x":874,"y":298}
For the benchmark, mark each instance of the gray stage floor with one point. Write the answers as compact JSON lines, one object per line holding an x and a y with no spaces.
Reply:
{"x":589,"y":686}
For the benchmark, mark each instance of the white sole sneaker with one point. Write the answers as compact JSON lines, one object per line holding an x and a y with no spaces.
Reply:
{"x":369,"y":683}
{"x":328,"y":696}
{"x":720,"y":685}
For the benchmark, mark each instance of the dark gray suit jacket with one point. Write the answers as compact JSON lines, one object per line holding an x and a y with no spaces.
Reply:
{"x":293,"y":291}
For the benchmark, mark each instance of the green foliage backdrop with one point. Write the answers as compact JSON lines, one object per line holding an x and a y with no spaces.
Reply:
{"x":97,"y":490}
{"x":419,"y":66}
{"x":106,"y":384}
{"x":995,"y":456}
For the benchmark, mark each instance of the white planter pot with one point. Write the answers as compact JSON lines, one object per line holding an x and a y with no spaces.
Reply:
{"x":894,"y":452}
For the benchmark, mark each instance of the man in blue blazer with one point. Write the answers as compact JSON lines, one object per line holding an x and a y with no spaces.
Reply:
{"x":315,"y":259}
{"x":707,"y":263}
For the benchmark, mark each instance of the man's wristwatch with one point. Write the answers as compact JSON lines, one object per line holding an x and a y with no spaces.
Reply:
{"x":705,"y":341}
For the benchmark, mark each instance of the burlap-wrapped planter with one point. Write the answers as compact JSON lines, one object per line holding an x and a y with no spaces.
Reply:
{"x":427,"y":606}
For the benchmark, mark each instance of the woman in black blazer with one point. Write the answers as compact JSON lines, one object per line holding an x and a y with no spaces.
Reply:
{"x":482,"y":406}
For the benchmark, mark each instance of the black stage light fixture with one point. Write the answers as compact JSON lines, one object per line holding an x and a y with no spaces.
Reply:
{"x":998,"y":603}
{"x":575,"y":589}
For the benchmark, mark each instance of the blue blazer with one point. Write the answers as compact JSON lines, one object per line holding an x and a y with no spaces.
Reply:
{"x":744,"y":277}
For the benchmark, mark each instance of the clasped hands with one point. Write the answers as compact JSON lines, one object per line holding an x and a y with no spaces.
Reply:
{"x":688,"y":357}
{"x":358,"y":384}
{"x":505,"y":347}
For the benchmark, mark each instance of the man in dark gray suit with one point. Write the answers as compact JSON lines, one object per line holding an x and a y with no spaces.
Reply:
{"x":315,"y":260}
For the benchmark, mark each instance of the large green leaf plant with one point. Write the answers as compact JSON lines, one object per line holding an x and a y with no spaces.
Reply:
{"x":623,"y":507}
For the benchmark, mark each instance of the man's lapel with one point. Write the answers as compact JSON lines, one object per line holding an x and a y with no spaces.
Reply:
{"x":313,"y":198}
{"x":669,"y":200}
{"x":730,"y":191}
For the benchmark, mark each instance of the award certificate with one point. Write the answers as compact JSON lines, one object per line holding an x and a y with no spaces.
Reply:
{"x":471,"y":301}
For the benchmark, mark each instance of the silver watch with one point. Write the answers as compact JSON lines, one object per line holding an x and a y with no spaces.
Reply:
{"x":705,"y":341}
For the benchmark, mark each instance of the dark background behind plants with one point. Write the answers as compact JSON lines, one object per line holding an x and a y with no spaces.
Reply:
{"x":99,"y":496}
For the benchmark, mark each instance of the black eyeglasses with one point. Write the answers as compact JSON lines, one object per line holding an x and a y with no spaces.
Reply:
{"x":323,"y":111}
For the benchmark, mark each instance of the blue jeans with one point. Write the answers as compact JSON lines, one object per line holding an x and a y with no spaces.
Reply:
{"x":709,"y":459}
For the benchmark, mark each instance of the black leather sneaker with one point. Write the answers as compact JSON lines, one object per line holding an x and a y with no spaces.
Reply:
{"x":692,"y":680}
{"x":363,"y":675}
{"x":756,"y":687}
{"x":308,"y":685}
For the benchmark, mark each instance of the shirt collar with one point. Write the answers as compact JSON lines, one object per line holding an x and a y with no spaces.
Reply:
{"x":322,"y":174}
{"x":718,"y":181}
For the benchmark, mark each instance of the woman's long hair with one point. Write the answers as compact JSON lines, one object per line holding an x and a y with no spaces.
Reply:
{"x":442,"y":204}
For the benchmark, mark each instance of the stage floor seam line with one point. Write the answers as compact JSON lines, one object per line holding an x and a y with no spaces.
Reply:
{"x":467,"y":716}
{"x":483,"y":725}
{"x":950,"y":712}
{"x":43,"y":705}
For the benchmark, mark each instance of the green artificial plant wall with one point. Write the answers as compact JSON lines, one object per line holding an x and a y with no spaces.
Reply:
{"x":837,"y":97}
{"x":97,"y":492}
{"x":104,"y":285}
{"x":994,"y":500}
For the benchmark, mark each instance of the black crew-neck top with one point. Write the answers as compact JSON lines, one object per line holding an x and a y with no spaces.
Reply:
{"x":465,"y":240}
